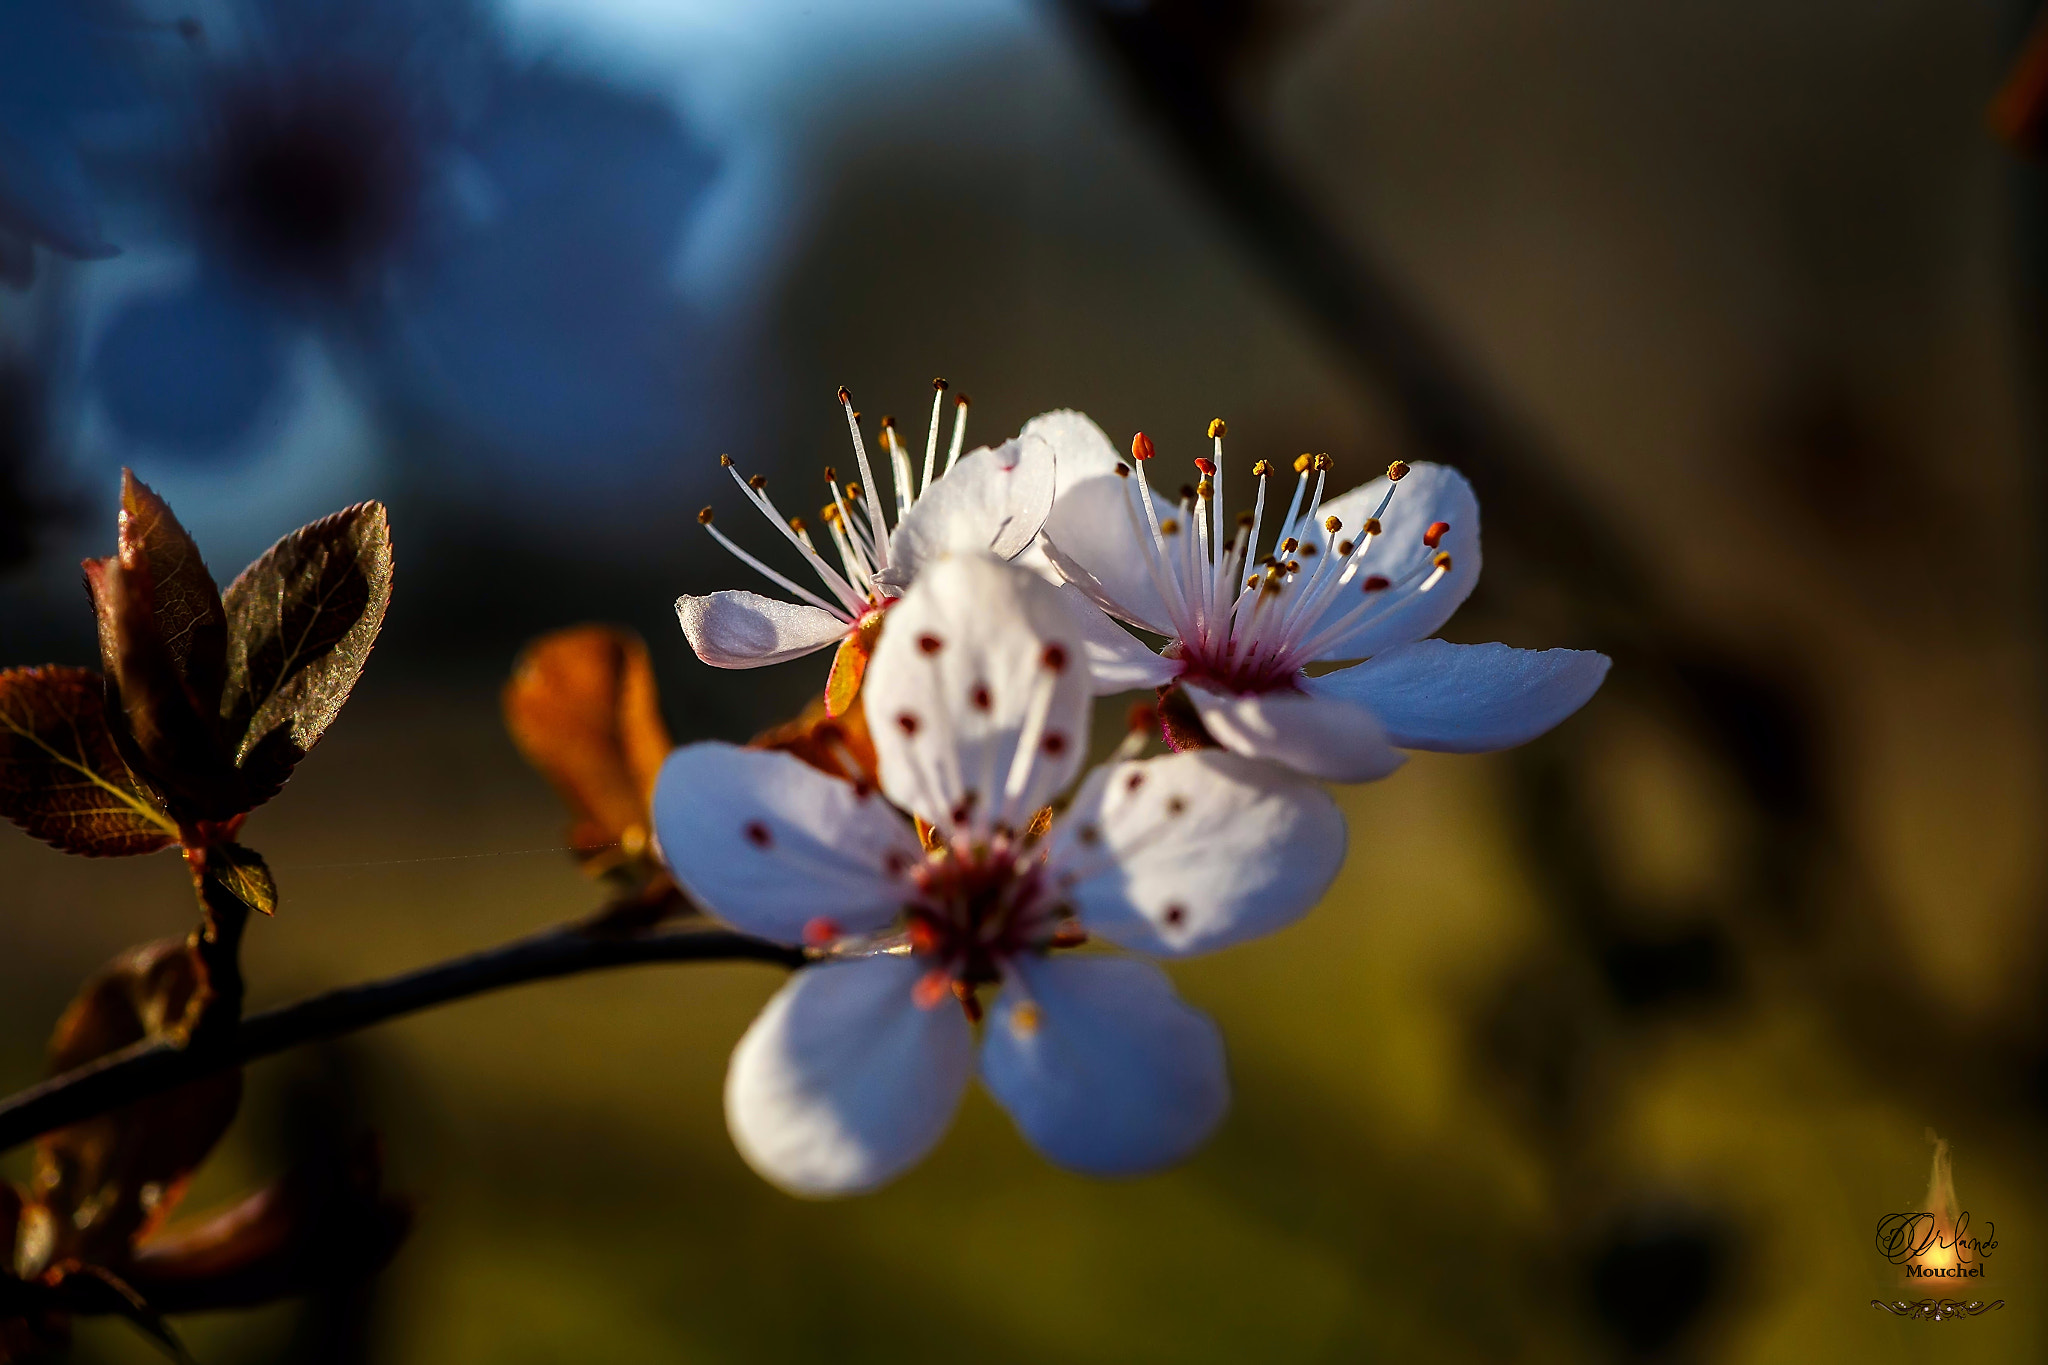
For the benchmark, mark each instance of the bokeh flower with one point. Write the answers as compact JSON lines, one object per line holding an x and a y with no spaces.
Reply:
{"x":957,"y":879}
{"x":1367,"y":575}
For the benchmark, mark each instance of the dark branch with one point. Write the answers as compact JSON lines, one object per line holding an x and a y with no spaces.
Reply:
{"x":153,"y":1067}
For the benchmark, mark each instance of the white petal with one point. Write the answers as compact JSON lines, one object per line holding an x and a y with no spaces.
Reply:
{"x":1467,"y":699}
{"x":977,"y":661}
{"x":1094,"y":540}
{"x":1322,"y":736}
{"x":1195,"y":851}
{"x":843,"y":1083}
{"x":1103,"y":1068}
{"x":1118,"y":661}
{"x":1430,"y":493}
{"x":736,"y":629}
{"x":768,"y":843}
{"x":993,"y":500}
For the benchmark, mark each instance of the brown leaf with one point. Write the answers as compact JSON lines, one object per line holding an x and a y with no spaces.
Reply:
{"x":328,"y":1221}
{"x":111,"y":1180}
{"x":582,"y":707}
{"x":184,"y":600}
{"x":162,"y":728}
{"x":301,"y":621}
{"x":62,"y":778}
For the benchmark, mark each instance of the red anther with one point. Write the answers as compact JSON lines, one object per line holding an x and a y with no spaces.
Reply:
{"x":1141,"y":447}
{"x":1435,"y":533}
{"x":822,"y":931}
{"x":931,"y":988}
{"x":1376,"y":584}
{"x":923,"y":937}
{"x":1206,"y":465}
{"x":1069,"y":934}
{"x":704,"y":516}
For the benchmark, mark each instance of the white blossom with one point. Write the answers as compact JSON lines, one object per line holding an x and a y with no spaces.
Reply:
{"x":1364,"y":576}
{"x":978,"y":701}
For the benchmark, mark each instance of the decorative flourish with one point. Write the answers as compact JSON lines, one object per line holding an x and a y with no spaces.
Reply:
{"x":1936,"y":1310}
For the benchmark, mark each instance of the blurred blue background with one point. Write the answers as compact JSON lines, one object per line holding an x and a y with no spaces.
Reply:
{"x":1614,"y":1048}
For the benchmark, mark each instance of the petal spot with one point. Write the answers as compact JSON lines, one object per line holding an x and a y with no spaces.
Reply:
{"x":1054,"y":658}
{"x":1054,"y":743}
{"x":758,"y":835}
{"x":1176,"y":915}
{"x":930,"y":643}
{"x":980,"y":698}
{"x":907,"y":722}
{"x":1175,"y":805}
{"x":1134,"y":781}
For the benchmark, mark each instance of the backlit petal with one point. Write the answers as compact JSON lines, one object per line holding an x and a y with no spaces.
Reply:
{"x":843,"y":1082}
{"x":1094,"y":539}
{"x":736,"y":629}
{"x":1195,"y":851}
{"x":768,"y":843}
{"x":1467,"y":699}
{"x":1103,"y":1068}
{"x":1324,"y":737}
{"x":1429,"y":494}
{"x":993,"y":500}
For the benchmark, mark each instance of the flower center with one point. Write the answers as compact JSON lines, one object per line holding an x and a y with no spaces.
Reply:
{"x":977,"y":906}
{"x":1247,"y":622}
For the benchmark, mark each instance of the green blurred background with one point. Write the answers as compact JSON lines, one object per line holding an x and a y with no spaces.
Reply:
{"x":1616,"y":1047}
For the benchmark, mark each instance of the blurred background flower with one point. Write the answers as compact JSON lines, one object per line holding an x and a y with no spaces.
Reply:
{"x":1616,"y":1047}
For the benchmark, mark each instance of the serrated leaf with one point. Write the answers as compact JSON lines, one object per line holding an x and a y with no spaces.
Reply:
{"x":301,"y":621}
{"x":184,"y":600}
{"x":160,"y":726}
{"x":62,"y":777}
{"x":582,"y":707}
{"x":111,"y":1180}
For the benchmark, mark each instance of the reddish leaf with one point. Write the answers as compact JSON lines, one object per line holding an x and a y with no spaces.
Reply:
{"x":328,"y":1221}
{"x":62,"y":778}
{"x":582,"y":707}
{"x":164,"y":730}
{"x":184,"y":601}
{"x":301,"y":621}
{"x":111,"y":1180}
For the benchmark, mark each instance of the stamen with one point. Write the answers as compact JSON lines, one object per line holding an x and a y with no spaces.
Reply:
{"x":1443,"y":566}
{"x":1435,"y":533}
{"x":867,"y":474}
{"x":959,"y":431}
{"x":931,"y":440}
{"x":899,"y":467}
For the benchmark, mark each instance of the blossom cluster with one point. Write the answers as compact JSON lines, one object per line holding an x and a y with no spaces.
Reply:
{"x":951,"y":887}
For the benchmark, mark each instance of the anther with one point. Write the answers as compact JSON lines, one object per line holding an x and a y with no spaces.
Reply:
{"x":1141,"y":447}
{"x":830,"y":513}
{"x":940,"y":385}
{"x":1244,"y":519}
{"x":1123,"y":471}
{"x":821,"y":931}
{"x":931,"y":988}
{"x":1024,"y":1019}
{"x":853,"y":493}
{"x":1333,"y":524}
{"x":1169,"y":527}
{"x":1204,"y":463}
{"x":1292,"y":566}
{"x":1308,"y":551}
{"x":1187,"y":492}
{"x":1344,"y":549}
{"x":1372,"y":526}
{"x":1324,"y":464}
{"x":757,"y":482}
{"x":888,"y":422}
{"x":1443,"y":559}
{"x":962,"y":401}
{"x":1263,"y":469}
{"x":1289,"y":545}
{"x":1069,"y":934}
{"x":1397,"y":471}
{"x":831,"y":474}
{"x":704,"y":517}
{"x":924,"y":937}
{"x":1375,"y":583}
{"x":1216,"y":428}
{"x":796,"y":524}
{"x":1302,"y":462}
{"x":1435,"y":533}
{"x":725,"y":462}
{"x":1054,"y":658}
{"x":845,"y":395}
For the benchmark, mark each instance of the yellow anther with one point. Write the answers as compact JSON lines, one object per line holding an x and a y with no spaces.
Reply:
{"x":757,"y":482}
{"x":1333,"y":524}
{"x":704,"y":517}
{"x":725,"y":462}
{"x":1372,"y":526}
{"x":1216,"y":428}
{"x":1263,"y":469}
{"x":1170,"y":527}
{"x":1302,"y":462}
{"x":1397,"y":471}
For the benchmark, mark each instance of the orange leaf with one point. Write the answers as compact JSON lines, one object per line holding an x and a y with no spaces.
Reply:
{"x":583,"y":708}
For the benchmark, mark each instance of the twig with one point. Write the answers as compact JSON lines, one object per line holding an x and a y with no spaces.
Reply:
{"x":150,"y":1068}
